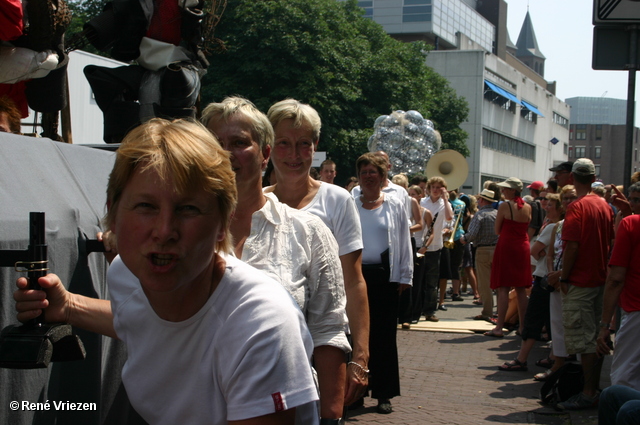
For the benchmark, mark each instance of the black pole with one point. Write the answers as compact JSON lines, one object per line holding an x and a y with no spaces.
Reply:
{"x":631,"y":93}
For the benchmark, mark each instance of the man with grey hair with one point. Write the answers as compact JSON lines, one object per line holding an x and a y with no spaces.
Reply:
{"x":587,"y":234}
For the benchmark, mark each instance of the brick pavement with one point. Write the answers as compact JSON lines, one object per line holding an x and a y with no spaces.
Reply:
{"x":452,"y":378}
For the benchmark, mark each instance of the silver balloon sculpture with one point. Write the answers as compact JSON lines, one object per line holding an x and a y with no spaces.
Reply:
{"x":408,"y":139}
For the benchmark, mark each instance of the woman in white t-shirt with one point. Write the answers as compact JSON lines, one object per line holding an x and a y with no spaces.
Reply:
{"x":204,"y":345}
{"x":297,"y":133}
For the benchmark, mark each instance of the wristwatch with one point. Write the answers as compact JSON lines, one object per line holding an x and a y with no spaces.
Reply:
{"x":604,"y":325}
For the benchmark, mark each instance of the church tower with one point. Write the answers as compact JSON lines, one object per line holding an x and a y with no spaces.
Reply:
{"x":527,"y":47}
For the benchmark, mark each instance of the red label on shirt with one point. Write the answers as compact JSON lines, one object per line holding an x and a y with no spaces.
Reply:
{"x":277,"y":402}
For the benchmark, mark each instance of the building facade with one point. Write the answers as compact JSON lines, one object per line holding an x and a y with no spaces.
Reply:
{"x":516,"y":124}
{"x":598,"y":131}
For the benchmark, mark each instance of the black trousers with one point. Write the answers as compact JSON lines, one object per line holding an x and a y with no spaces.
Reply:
{"x":384,"y":381}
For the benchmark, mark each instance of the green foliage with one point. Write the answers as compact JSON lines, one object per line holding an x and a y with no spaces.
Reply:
{"x":82,"y":11}
{"x":325,"y":53}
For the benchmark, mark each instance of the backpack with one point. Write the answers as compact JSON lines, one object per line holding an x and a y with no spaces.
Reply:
{"x":562,"y":384}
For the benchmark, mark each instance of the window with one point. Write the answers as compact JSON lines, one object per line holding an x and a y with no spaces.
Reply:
{"x":416,"y":11}
{"x":509,"y":145}
{"x":368,"y":8}
{"x":566,"y":149}
{"x":597,"y":152}
{"x":580,"y":151}
{"x":597,"y":170}
{"x":581,"y":132}
{"x":529,"y":115}
{"x":500,"y":97}
{"x":571,"y":132}
{"x":560,"y":120}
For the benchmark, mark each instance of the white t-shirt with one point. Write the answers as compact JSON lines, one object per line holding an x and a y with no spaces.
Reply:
{"x":337,"y":209}
{"x":298,"y":250}
{"x":544,"y":238}
{"x":245,"y":354}
{"x":437,"y":207}
{"x":398,"y":237}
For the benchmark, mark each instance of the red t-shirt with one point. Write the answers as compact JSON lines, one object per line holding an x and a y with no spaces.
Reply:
{"x":589,"y":221}
{"x":626,"y":253}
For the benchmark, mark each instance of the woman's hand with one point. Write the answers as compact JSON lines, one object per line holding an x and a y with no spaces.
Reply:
{"x":620,"y":201}
{"x":110,"y":242}
{"x":554,"y":279}
{"x":54,"y":299}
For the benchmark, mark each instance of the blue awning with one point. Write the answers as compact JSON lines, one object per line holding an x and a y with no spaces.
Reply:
{"x":502,"y":92}
{"x":532,"y":108}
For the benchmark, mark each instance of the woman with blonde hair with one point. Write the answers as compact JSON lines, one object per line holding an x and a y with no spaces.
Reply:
{"x":204,"y":345}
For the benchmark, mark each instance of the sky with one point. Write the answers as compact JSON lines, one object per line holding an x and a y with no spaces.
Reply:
{"x":564,"y":31}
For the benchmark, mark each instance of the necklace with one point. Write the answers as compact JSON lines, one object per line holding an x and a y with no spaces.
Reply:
{"x":370,"y":202}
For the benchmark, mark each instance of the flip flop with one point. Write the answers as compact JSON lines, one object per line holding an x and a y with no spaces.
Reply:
{"x":481,"y":317}
{"x":477,"y":301}
{"x":514,"y":365}
{"x":493,"y":334}
{"x":546,"y":362}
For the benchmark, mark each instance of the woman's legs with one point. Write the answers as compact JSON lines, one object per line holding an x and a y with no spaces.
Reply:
{"x":473,"y":282}
{"x":521,"y":295}
{"x":503,"y":305}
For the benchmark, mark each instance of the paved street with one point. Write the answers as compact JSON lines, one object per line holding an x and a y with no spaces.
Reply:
{"x":450,"y":376}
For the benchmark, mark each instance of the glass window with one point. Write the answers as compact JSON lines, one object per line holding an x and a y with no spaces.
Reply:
{"x":509,"y":145}
{"x":416,"y":9}
{"x":581,"y":132}
{"x":597,"y":170}
{"x":365,"y":3}
{"x":425,"y":17}
{"x":580,"y":151}
{"x":566,"y":148}
{"x":598,"y":131}
{"x":597,"y":151}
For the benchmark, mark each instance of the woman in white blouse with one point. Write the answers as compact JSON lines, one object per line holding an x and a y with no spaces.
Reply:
{"x":387,"y":267}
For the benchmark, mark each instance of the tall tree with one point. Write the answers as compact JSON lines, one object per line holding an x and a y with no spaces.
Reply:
{"x":325,"y":53}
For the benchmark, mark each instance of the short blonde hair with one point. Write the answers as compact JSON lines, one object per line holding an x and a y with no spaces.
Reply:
{"x":299,"y":112}
{"x":261,"y":129}
{"x":187,"y":152}
{"x":401,"y":180}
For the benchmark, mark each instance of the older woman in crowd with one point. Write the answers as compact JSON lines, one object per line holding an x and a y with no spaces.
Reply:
{"x":387,"y":266}
{"x":297,"y":133}
{"x":511,"y":260}
{"x":204,"y":345}
{"x":264,"y":229}
{"x":568,"y":194}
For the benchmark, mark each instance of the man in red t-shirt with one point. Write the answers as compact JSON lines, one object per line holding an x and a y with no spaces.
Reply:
{"x":623,"y":287}
{"x":587,"y":234}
